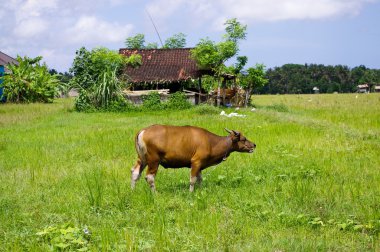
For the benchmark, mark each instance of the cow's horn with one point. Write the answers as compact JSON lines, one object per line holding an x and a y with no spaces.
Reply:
{"x":236,"y":133}
{"x":229,"y":131}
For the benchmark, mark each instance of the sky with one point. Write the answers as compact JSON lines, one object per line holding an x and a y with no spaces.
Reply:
{"x":329,"y":32}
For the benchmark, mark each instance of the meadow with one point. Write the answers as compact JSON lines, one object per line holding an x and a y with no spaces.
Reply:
{"x":313,"y":183}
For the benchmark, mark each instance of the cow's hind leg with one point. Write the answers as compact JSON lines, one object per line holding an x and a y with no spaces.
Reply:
{"x":136,"y":172}
{"x":195,"y":174}
{"x":151,"y":174}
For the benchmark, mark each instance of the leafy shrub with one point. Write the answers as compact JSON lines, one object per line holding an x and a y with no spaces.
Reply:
{"x":96,"y":73}
{"x":178,"y":101}
{"x":152,"y":101}
{"x":30,"y":81}
{"x":205,"y":109}
{"x":121,"y":105}
{"x":65,"y":237}
{"x":108,"y":89}
{"x":82,"y":102}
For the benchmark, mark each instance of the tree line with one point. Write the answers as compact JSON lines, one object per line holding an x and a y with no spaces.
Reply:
{"x":301,"y":79}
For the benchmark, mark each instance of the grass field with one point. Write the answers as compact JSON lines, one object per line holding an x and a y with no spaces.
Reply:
{"x":313,"y":183}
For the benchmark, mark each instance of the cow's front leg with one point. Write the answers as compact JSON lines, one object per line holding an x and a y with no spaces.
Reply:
{"x":195,"y":174}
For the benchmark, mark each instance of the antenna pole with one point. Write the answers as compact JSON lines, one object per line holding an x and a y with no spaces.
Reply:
{"x":155,"y":28}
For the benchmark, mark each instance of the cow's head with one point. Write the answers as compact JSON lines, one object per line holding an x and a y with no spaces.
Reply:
{"x":240,"y":143}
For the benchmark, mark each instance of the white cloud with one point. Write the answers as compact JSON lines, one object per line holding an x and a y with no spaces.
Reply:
{"x":55,"y":29}
{"x":90,"y":30}
{"x":258,"y":10}
{"x":275,"y":10}
{"x":31,"y":27}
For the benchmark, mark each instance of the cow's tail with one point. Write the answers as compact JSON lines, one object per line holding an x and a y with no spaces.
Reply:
{"x":141,"y":147}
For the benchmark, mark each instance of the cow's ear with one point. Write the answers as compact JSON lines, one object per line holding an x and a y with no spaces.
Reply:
{"x":229,"y":131}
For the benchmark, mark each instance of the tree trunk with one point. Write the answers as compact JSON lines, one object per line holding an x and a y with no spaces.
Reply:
{"x":247,"y":95}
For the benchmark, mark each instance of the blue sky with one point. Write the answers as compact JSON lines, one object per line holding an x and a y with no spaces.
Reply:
{"x":326,"y":32}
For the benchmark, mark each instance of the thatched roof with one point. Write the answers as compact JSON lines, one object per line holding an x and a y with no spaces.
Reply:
{"x":162,"y":66}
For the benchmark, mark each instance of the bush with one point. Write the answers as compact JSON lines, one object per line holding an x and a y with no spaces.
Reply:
{"x":82,"y":102}
{"x":178,"y":101}
{"x":152,"y":101}
{"x":96,"y":73}
{"x":30,"y":81}
{"x":121,"y":105}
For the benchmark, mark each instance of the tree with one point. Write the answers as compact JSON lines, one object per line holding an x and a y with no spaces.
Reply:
{"x":176,"y":41}
{"x":235,"y":30}
{"x":255,"y":78}
{"x":153,"y":45}
{"x":30,"y":81}
{"x":136,"y":42}
{"x":212,"y":56}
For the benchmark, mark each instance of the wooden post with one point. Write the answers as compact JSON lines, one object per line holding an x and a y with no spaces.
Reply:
{"x":236,"y":93}
{"x":199,"y":89}
{"x":224,"y":91}
{"x":218,"y":95}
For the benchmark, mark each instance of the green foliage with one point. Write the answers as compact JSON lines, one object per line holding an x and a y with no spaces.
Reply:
{"x":96,"y":75}
{"x":83,"y":102}
{"x":66,"y":237}
{"x":108,"y":89}
{"x":152,"y":101}
{"x":206,"y":54}
{"x":255,"y":77}
{"x":176,"y":41}
{"x":211,"y":55}
{"x":178,"y":101}
{"x":152,"y":45}
{"x":134,"y":60}
{"x":30,"y":81}
{"x":138,"y":42}
{"x":103,"y":59}
{"x":235,"y":30}
{"x":83,"y":70}
{"x":135,"y":42}
{"x":295,"y":78}
{"x":209,"y":83}
{"x":239,"y":65}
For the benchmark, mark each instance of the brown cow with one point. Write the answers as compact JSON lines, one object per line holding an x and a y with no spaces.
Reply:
{"x":183,"y":146}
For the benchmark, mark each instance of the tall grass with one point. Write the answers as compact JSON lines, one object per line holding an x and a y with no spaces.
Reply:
{"x":311,"y":185}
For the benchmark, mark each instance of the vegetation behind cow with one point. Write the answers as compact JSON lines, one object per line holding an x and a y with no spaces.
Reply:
{"x":312,"y":184}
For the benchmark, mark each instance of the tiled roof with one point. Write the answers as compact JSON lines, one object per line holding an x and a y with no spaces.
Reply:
{"x":162,"y":65}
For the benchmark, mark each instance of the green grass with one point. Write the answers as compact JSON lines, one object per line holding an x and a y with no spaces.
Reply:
{"x":312,"y":184}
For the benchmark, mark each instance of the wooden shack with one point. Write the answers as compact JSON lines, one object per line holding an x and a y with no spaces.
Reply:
{"x":168,"y":69}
